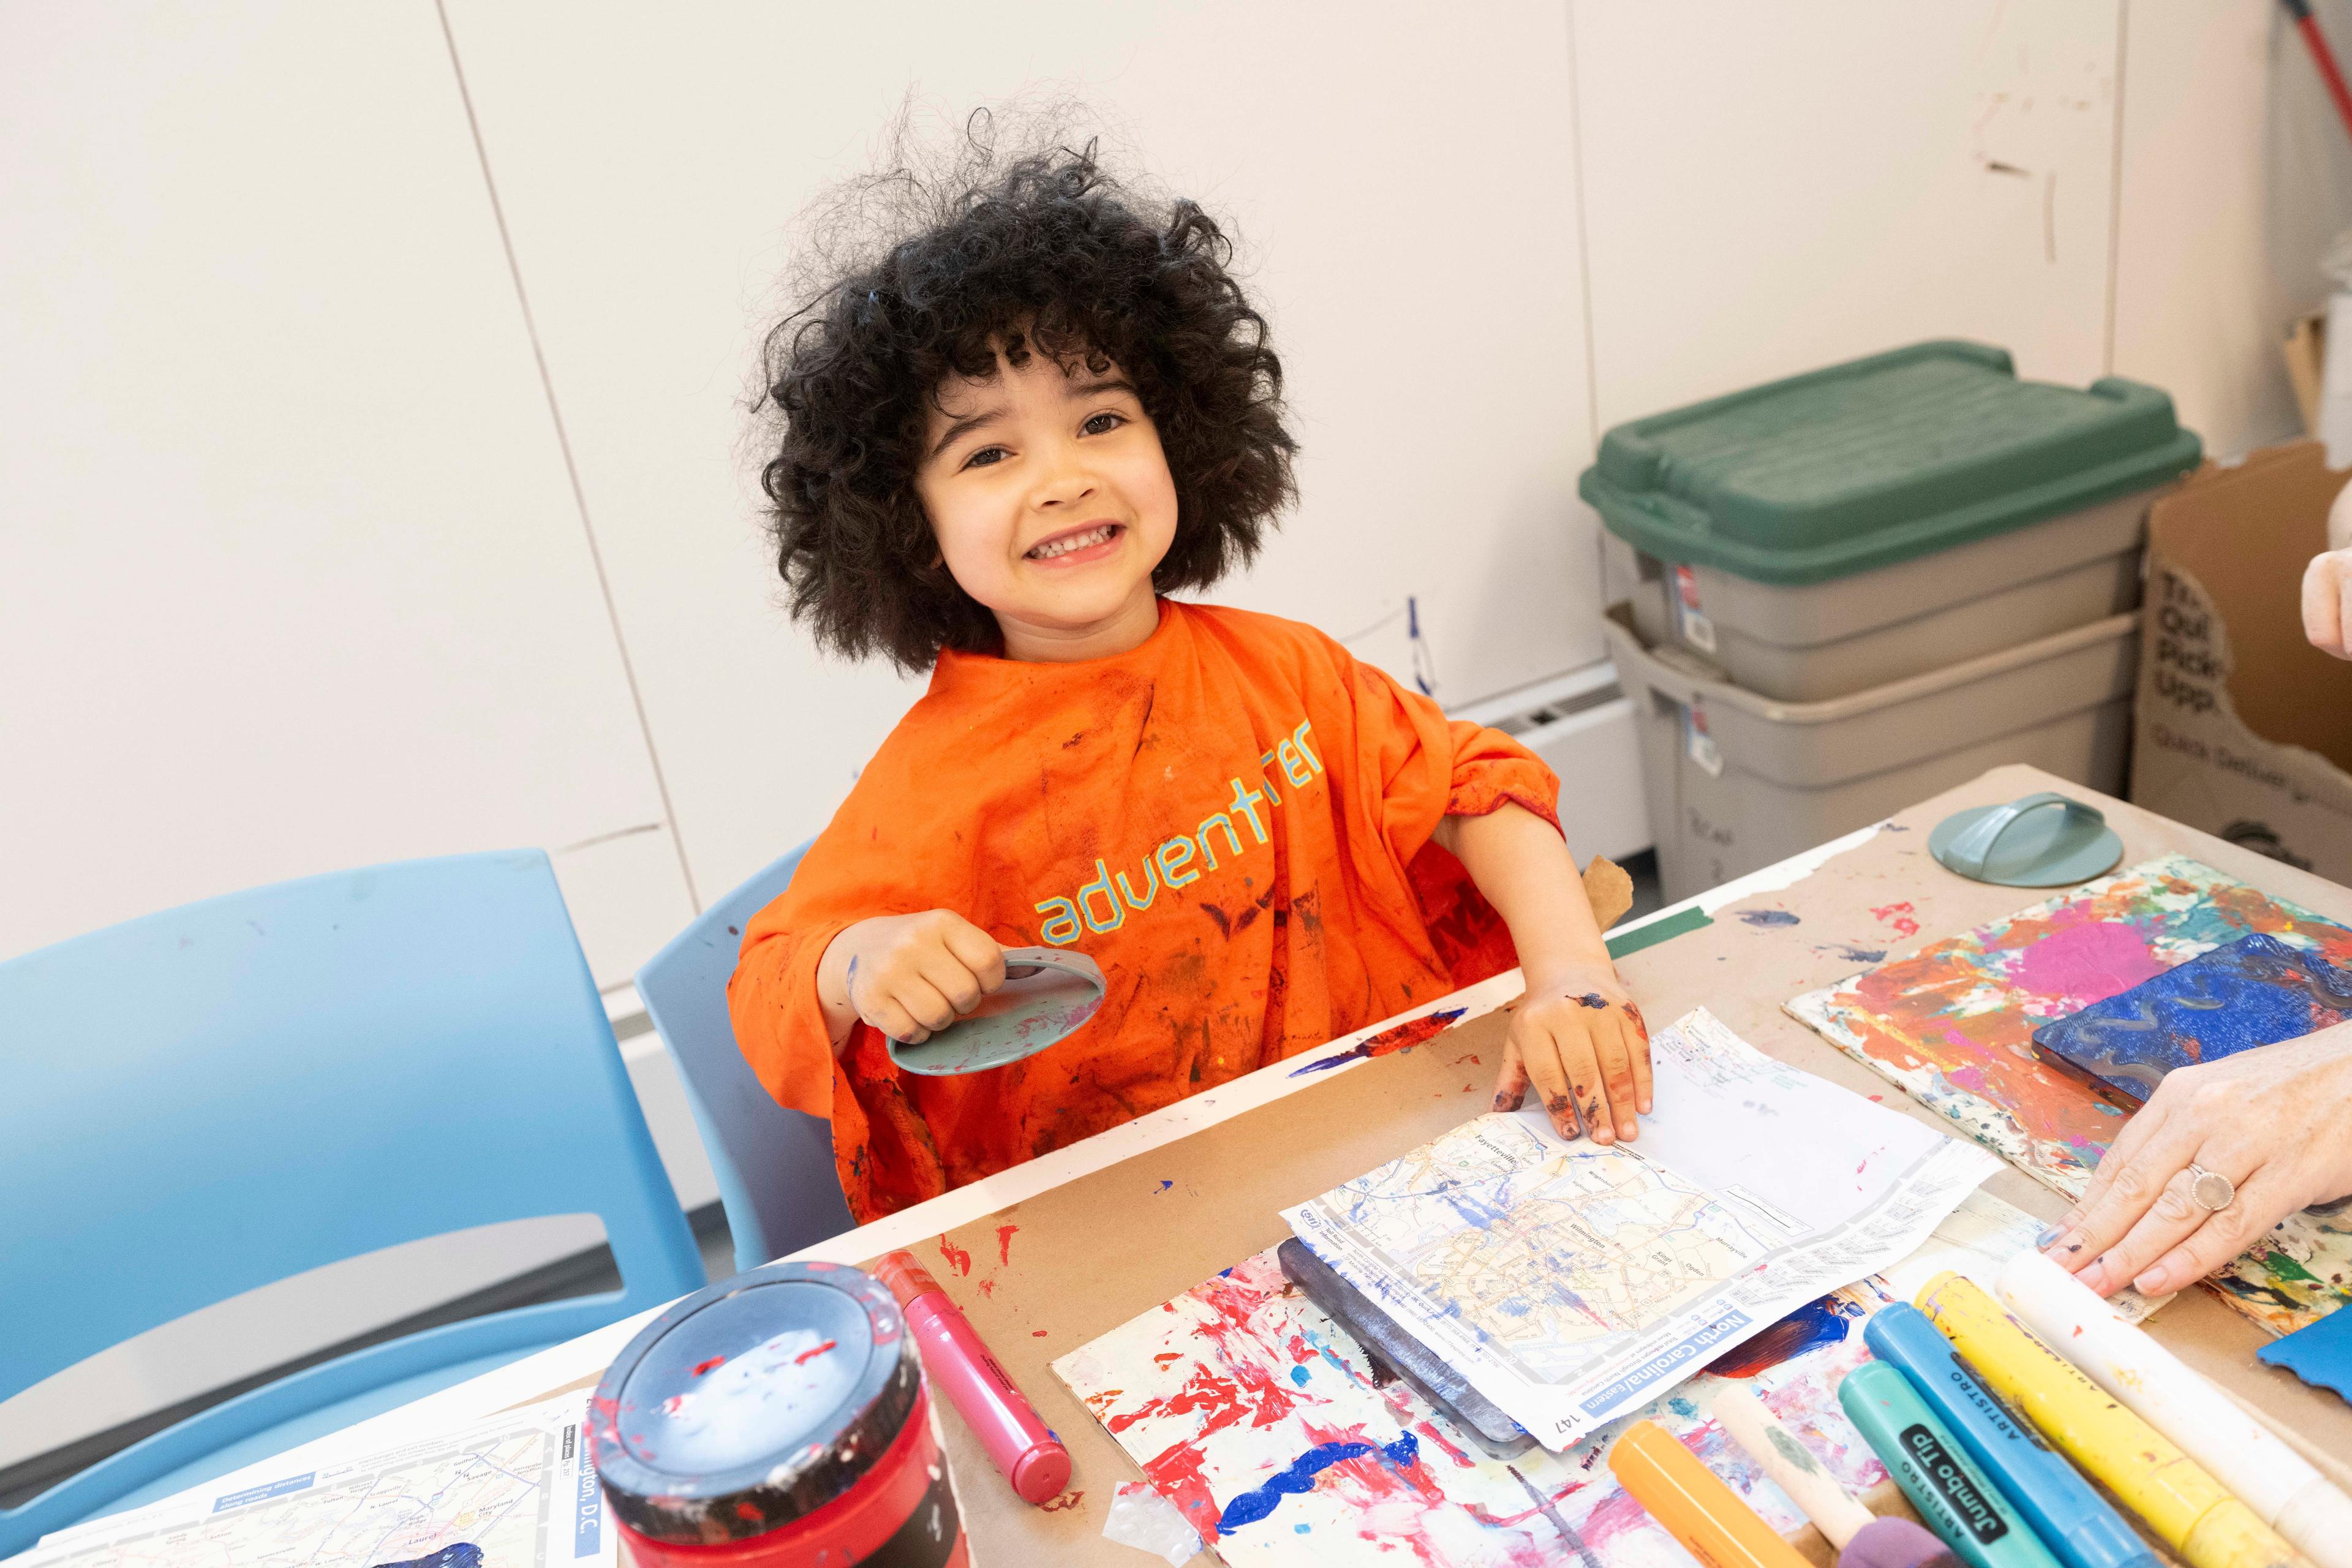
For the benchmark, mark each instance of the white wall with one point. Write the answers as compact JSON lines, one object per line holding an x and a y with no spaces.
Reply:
{"x":290,"y":574}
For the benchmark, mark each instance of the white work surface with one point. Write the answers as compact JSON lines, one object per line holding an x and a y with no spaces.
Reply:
{"x":568,"y":1364}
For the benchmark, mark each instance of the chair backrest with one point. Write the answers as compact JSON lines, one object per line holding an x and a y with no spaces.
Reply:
{"x":776,"y":1177}
{"x":208,"y":1100}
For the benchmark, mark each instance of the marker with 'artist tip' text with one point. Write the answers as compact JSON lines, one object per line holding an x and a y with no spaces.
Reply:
{"x":1936,"y":1472}
{"x":1000,"y":1415}
{"x":2186,"y":1508}
{"x":2072,"y":1519}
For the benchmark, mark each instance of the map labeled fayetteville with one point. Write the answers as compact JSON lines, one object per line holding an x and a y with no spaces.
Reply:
{"x":1572,"y":1281}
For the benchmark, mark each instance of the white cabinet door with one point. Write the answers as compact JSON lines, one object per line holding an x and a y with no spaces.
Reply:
{"x":291,"y":574}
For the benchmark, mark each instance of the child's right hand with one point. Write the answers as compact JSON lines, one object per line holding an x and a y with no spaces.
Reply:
{"x":908,"y":975}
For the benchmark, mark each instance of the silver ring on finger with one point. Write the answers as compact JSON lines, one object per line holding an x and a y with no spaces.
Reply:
{"x":2211,"y":1190}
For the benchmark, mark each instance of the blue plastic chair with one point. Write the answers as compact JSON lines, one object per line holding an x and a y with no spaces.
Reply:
{"x":217,"y":1097}
{"x":776,"y":1177}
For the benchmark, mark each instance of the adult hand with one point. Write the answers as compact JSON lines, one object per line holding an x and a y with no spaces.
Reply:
{"x":2272,"y":1121}
{"x":2328,"y":602}
{"x":1580,"y":1040}
{"x":908,"y":975}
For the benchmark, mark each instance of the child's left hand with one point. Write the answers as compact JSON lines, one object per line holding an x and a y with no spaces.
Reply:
{"x":1580,"y":1040}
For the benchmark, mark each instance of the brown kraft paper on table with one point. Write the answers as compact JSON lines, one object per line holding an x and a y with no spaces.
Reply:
{"x":1044,"y":1276}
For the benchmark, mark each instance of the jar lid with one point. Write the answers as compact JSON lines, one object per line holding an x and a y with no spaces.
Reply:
{"x":752,"y":1403}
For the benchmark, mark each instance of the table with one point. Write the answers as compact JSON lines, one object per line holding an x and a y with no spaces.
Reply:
{"x":1065,"y":1247}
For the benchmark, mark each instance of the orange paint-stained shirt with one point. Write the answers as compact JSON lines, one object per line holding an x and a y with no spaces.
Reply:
{"x":1234,"y":820}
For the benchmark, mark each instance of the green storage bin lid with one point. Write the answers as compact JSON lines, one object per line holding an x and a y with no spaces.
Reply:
{"x":1876,"y":461}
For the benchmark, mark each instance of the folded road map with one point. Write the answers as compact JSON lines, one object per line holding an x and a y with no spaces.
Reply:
{"x":1572,"y":1282}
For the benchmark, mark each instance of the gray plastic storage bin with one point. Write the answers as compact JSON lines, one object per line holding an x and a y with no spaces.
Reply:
{"x":1736,"y":780}
{"x":1829,"y":533}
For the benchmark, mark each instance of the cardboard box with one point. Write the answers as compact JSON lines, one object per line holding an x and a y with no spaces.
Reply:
{"x":2244,"y":729}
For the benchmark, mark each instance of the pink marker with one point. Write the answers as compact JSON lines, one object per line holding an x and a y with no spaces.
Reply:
{"x":1018,"y":1443}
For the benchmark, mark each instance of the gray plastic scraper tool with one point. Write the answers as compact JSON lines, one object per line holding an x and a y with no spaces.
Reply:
{"x":2041,"y":840}
{"x":1047,"y":993}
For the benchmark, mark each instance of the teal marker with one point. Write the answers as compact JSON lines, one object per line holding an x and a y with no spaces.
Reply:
{"x":1952,"y":1493}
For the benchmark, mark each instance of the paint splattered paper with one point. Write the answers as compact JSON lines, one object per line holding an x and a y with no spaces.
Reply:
{"x":1264,"y":1423}
{"x":1568,"y":1281}
{"x":1952,"y":1026}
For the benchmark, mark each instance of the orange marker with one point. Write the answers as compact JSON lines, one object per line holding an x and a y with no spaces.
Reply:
{"x":1694,"y":1505}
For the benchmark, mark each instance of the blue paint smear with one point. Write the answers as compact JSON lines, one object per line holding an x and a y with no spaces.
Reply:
{"x":1299,"y":1375}
{"x":1816,"y":1323}
{"x":1302,"y":1529}
{"x":1768,"y":917}
{"x":1262,"y":1500}
{"x":1165,"y":1185}
{"x":464,"y":1554}
{"x":2257,"y":991}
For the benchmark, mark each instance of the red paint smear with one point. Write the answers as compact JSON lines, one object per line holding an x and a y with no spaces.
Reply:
{"x":1175,"y":1475}
{"x":988,"y":1287}
{"x":1903,"y":923}
{"x":715,"y":1363}
{"x":1005,"y":1235}
{"x":958,"y":1259}
{"x":749,"y":1512}
{"x":1036,"y":1333}
{"x":1067,"y":1501}
{"x":1164,"y":1357}
{"x":1407,"y":1034}
{"x":1429,"y":1431}
{"x":809,"y":1355}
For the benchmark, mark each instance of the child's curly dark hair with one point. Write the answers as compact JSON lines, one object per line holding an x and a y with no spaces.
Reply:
{"x":1045,"y":252}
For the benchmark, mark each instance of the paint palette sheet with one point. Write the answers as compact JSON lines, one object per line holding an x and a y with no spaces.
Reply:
{"x":1264,"y":1423}
{"x":517,"y":1490}
{"x":1569,"y":1281}
{"x":1953,"y":1024}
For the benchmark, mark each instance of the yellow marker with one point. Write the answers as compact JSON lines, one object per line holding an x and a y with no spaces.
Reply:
{"x":2196,"y":1514}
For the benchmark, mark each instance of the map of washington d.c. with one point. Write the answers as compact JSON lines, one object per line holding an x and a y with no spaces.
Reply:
{"x":1545,"y":1249}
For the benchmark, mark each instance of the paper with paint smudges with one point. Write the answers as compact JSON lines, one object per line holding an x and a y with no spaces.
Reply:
{"x":517,"y":1490}
{"x":1220,"y":1394}
{"x":1952,"y":1026}
{"x":1569,"y":1282}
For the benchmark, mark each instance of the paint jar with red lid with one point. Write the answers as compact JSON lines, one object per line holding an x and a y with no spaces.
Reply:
{"x":778,"y":1419}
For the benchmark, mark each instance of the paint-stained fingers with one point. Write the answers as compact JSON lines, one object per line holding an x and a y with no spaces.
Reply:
{"x":1617,"y":1046}
{"x":1549,"y":1074}
{"x":894,"y":1021}
{"x":2172,"y":1216}
{"x":1573,"y":1049}
{"x":2258,"y":1205}
{"x":1511,"y":1084}
{"x":1642,"y":1083}
{"x":979,"y":953}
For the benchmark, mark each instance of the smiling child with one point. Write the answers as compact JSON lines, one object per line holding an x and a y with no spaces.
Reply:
{"x":1004,"y":442}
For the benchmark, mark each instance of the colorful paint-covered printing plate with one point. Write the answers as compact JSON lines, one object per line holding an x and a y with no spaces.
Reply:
{"x":2257,"y":991}
{"x":1047,"y":995}
{"x":1952,"y":1025}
